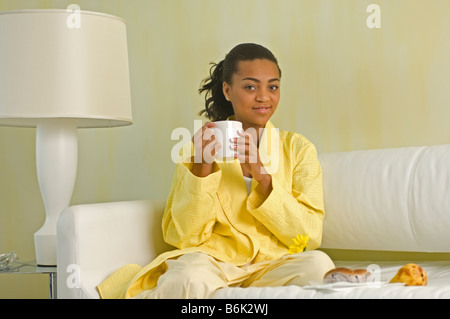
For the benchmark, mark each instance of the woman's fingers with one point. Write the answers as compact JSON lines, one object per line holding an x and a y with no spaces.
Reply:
{"x":246,"y":150}
{"x":205,"y":143}
{"x":210,"y":150}
{"x":199,"y":134}
{"x":203,"y":136}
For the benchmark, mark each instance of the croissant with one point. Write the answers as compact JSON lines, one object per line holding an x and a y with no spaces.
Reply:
{"x":411,"y":275}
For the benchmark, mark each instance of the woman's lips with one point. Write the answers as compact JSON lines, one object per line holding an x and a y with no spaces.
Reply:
{"x":262,"y":109}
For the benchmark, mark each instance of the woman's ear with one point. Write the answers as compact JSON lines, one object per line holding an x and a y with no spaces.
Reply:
{"x":226,"y":91}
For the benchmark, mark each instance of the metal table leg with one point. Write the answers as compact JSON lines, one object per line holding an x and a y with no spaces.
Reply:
{"x":52,"y":283}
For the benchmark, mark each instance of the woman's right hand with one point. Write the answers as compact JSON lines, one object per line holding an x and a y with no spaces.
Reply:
{"x":206,"y":145}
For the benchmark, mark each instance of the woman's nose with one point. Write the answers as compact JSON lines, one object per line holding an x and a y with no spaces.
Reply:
{"x":262,"y":96}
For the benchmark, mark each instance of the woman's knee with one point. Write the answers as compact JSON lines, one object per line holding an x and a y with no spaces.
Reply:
{"x":308,"y":267}
{"x":321,"y":259}
{"x":318,"y":264}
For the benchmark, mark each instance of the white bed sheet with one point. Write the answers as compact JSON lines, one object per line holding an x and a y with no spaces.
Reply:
{"x":438,"y":286}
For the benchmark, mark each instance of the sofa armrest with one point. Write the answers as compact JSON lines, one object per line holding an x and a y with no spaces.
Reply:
{"x":94,"y":240}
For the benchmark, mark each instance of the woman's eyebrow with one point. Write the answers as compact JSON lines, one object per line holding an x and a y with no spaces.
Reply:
{"x":256,"y":80}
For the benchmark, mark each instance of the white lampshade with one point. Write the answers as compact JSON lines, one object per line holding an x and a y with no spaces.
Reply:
{"x":50,"y":70}
{"x":57,"y":75}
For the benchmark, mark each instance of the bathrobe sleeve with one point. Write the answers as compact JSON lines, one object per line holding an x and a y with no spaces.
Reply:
{"x":191,"y":208}
{"x":293,"y":209}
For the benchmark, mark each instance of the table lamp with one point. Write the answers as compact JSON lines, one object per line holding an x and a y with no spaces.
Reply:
{"x":58,"y":76}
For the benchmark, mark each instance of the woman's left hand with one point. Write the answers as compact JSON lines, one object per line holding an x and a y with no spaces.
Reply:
{"x":247,"y":154}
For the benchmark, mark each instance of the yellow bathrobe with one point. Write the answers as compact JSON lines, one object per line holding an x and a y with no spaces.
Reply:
{"x":215,"y":214}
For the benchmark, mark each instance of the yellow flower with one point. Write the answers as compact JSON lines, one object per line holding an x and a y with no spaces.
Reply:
{"x":300,"y":243}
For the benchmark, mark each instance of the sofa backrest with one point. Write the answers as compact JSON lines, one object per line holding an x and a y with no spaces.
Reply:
{"x":389,"y":199}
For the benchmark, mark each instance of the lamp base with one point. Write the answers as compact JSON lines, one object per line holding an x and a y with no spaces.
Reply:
{"x":56,"y":160}
{"x":45,"y":248}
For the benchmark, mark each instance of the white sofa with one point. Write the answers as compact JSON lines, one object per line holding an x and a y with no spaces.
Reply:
{"x":385,"y":200}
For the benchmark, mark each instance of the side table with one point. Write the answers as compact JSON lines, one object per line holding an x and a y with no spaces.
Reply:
{"x":33,"y":268}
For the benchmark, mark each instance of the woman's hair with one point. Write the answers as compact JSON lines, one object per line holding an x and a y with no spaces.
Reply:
{"x":217,"y":108}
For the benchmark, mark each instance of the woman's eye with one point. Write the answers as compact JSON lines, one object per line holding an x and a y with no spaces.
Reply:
{"x":274,"y":87}
{"x":249,"y":87}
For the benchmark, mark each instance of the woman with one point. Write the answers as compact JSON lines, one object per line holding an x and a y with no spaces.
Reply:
{"x":228,"y":234}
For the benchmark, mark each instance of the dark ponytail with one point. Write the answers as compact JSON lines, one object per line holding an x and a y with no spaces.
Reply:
{"x":217,"y":108}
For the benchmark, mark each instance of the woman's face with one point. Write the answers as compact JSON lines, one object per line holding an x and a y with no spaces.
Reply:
{"x":254,"y":92}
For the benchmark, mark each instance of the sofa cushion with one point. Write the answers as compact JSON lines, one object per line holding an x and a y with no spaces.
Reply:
{"x":391,"y":199}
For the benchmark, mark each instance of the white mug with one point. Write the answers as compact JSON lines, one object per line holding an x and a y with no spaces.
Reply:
{"x":224,"y":132}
